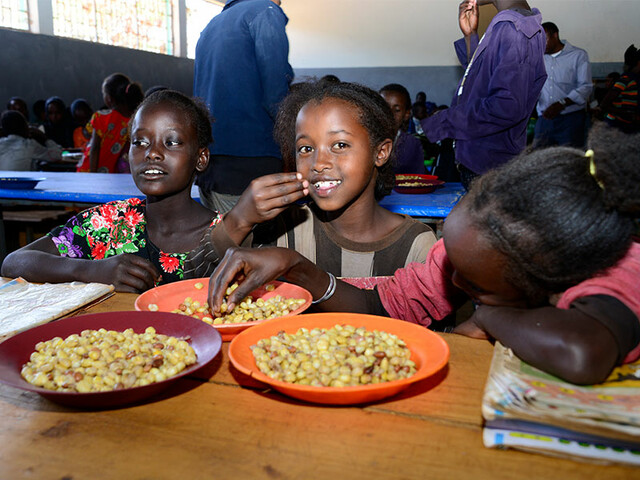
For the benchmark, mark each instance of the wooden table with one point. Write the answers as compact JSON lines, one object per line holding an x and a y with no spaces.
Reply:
{"x":230,"y":427}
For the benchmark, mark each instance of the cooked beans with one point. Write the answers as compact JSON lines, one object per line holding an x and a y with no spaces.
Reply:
{"x":248,"y":310}
{"x":337,"y":357}
{"x":103,"y":360}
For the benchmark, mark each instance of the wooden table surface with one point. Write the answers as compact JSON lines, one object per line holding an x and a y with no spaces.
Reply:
{"x":227,"y":426}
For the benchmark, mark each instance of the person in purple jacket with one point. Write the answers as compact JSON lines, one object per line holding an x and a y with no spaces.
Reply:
{"x":499,"y":89}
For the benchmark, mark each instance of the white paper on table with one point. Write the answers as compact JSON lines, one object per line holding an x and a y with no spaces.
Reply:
{"x":24,"y":305}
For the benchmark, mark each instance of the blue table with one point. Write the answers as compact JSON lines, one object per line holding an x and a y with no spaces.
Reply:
{"x":78,"y":189}
{"x":73,"y":189}
{"x":427,"y":207}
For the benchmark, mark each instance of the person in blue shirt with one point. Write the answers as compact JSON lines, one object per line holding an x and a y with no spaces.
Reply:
{"x":562,"y":107}
{"x":504,"y":74}
{"x":242,"y":72}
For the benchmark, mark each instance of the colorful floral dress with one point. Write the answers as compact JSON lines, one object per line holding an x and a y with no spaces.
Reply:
{"x":114,"y":228}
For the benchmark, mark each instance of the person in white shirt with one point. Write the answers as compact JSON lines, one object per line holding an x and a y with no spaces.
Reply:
{"x":562,"y":106}
{"x":18,"y":148}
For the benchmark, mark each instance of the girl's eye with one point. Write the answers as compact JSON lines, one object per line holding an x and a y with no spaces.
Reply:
{"x":340,"y":145}
{"x":305,"y":149}
{"x":137,"y":142}
{"x":173,"y":143}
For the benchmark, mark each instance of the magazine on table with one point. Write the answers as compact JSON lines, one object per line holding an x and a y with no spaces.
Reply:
{"x":528,"y":409}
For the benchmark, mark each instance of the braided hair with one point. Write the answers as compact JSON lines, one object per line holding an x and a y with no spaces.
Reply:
{"x":374,"y":115}
{"x":558,"y":215}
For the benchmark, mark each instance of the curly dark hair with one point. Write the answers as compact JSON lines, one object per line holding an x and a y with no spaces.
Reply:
{"x":194,"y":108}
{"x":557,"y":223}
{"x":400,"y":90}
{"x":373,"y":112}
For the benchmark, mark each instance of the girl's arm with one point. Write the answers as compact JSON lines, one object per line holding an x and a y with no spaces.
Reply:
{"x":264,"y":199}
{"x":40,"y":262}
{"x":259,"y":266}
{"x":94,"y":151}
{"x":567,"y":343}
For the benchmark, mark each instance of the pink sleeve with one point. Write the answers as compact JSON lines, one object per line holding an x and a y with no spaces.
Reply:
{"x":421,"y":292}
{"x":621,"y":281}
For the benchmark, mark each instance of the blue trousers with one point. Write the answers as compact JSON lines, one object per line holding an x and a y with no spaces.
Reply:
{"x":569,"y":130}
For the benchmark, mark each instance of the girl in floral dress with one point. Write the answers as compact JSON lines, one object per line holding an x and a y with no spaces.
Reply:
{"x":132,"y":243}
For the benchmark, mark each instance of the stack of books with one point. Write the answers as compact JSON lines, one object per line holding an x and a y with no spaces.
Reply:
{"x":527,"y":409}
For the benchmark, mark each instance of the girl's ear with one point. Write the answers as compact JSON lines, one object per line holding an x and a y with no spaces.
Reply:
{"x":384,"y":152}
{"x":203,"y":159}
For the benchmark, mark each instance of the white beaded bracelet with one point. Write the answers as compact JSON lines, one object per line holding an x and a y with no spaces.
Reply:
{"x":331,"y":289}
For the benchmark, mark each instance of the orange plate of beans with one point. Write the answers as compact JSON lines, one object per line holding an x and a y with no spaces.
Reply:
{"x":428,"y":353}
{"x":179,"y":297}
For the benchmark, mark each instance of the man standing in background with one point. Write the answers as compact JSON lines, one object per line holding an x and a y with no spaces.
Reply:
{"x":504,"y":75}
{"x":562,"y":107}
{"x":242,"y":72}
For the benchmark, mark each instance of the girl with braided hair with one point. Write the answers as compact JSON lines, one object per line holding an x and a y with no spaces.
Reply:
{"x":337,"y":145}
{"x":543,"y":245}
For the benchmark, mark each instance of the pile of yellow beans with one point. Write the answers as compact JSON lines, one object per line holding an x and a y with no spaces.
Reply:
{"x":248,"y":310}
{"x":337,"y":357}
{"x":103,"y":360}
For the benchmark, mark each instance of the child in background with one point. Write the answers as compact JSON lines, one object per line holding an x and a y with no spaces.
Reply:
{"x":409,"y":156}
{"x":81,"y":113}
{"x":18,"y":104}
{"x":620,"y":106}
{"x":39,"y":113}
{"x":543,"y":245}
{"x":339,"y":138}
{"x":22,"y":145}
{"x":58,"y":126}
{"x":106,"y":151}
{"x":127,"y":243}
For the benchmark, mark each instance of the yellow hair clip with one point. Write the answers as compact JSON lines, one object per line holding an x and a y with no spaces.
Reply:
{"x":592,"y":168}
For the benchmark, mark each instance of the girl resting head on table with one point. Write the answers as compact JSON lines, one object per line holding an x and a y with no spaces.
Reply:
{"x":543,"y":246}
{"x":337,"y":142}
{"x":135,"y":244}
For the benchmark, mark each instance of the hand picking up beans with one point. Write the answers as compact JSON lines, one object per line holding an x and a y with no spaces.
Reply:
{"x":247,"y":310}
{"x":341,"y":356}
{"x":103,"y":360}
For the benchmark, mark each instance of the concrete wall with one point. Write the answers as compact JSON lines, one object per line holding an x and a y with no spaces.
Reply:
{"x":35,"y":66}
{"x":368,"y":41}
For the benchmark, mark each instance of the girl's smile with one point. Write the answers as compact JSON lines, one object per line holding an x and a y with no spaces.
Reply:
{"x":333,"y":152}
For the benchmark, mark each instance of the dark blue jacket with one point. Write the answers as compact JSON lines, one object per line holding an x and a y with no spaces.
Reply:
{"x":242,"y":73}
